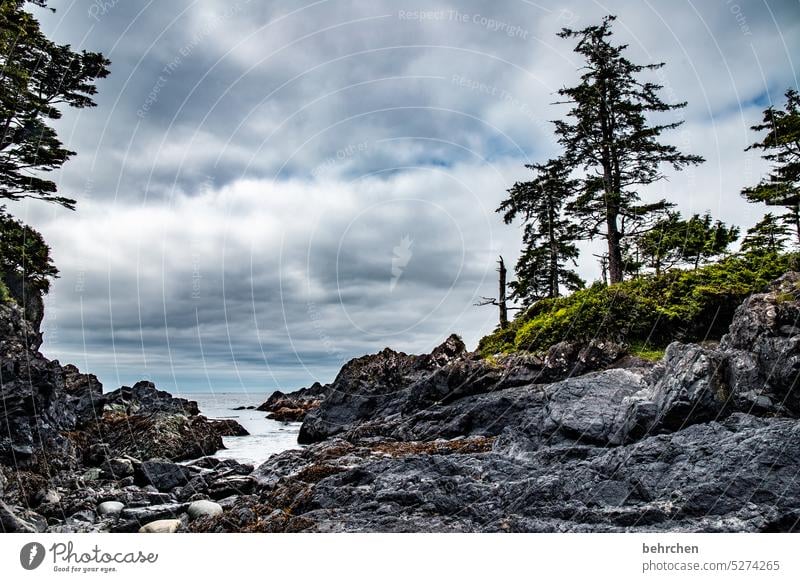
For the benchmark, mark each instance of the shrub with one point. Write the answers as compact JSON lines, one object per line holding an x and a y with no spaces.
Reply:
{"x":648,"y":311}
{"x":24,"y":256}
{"x":5,"y":296}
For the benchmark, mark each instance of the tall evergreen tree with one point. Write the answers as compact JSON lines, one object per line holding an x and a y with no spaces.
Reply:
{"x":769,"y":235}
{"x":548,"y":237}
{"x":37,"y":77}
{"x":608,"y":137}
{"x":781,"y":145}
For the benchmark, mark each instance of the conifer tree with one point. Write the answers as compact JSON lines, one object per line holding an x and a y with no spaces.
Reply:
{"x":674,"y":241}
{"x":548,"y":236}
{"x":768,"y":236}
{"x":608,"y":138}
{"x":38,"y":77}
{"x":781,"y":145}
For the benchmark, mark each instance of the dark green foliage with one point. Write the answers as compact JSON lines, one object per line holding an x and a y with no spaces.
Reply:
{"x":24,"y":256}
{"x":675,"y":241}
{"x":769,"y":236}
{"x":4,"y":294}
{"x":608,"y":137}
{"x":648,"y":312}
{"x":781,"y":145}
{"x":38,"y":77}
{"x":548,"y":238}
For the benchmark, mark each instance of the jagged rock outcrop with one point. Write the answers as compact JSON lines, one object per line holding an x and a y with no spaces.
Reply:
{"x":706,"y":440}
{"x":36,"y":408}
{"x":294,"y":406}
{"x":66,"y":447}
{"x":375,"y":392}
{"x":763,"y":349}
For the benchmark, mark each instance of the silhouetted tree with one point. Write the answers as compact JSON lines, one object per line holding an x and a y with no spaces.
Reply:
{"x":781,"y":145}
{"x":769,"y":235}
{"x":38,"y":78}
{"x":548,"y":237}
{"x":607,"y":136}
{"x":501,"y":301}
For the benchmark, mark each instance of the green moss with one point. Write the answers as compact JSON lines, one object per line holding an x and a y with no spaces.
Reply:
{"x":684,"y":305}
{"x":647,"y":352}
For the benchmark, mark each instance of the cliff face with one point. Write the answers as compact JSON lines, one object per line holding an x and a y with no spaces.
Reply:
{"x":37,"y":409}
{"x":64,"y":443}
{"x":706,"y":440}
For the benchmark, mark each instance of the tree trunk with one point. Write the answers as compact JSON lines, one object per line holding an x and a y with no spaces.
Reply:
{"x":611,"y":187}
{"x":796,"y":213}
{"x":615,"y":270}
{"x":553,"y":283}
{"x":501,"y":301}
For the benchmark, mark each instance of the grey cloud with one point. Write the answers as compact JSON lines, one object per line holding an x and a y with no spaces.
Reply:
{"x":234,"y":144}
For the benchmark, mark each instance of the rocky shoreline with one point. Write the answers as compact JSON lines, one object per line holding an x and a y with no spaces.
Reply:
{"x":584,"y":438}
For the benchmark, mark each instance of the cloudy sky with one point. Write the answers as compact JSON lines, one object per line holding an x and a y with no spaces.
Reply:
{"x":269,"y":188}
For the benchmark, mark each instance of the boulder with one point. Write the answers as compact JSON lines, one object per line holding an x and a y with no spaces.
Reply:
{"x":692,"y":388}
{"x":150,"y":513}
{"x":11,"y":523}
{"x":203,"y":508}
{"x":162,"y":526}
{"x":228,"y":427}
{"x":763,"y":348}
{"x":118,"y":468}
{"x":110,"y":508}
{"x":590,"y":408}
{"x":163,"y":474}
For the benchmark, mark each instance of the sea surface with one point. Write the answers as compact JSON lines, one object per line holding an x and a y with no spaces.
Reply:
{"x":267,"y":437}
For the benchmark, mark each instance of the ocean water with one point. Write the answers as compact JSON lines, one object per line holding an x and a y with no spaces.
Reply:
{"x":267,"y":437}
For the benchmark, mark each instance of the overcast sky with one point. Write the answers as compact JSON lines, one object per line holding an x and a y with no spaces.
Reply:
{"x":269,"y":188}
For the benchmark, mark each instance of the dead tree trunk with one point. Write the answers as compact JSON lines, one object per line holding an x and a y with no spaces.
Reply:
{"x":500,"y":300}
{"x":502,"y":295}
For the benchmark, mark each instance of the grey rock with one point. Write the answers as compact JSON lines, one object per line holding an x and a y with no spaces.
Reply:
{"x":11,"y":523}
{"x":110,"y":508}
{"x":231,"y":485}
{"x":203,"y":509}
{"x":162,"y":526}
{"x":118,"y":468}
{"x":92,"y":474}
{"x":590,"y":408}
{"x":163,"y":474}
{"x":153,"y":512}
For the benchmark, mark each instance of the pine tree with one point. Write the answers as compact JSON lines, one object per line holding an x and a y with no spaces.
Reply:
{"x":548,"y":237}
{"x":607,"y":136}
{"x":660,"y":247}
{"x":37,"y":77}
{"x":781,"y":145}
{"x":674,"y":241}
{"x":768,"y":236}
{"x":705,"y":239}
